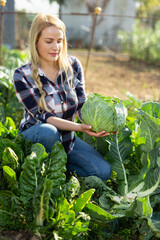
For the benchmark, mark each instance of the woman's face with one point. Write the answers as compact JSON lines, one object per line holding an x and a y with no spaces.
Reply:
{"x":50,"y":44}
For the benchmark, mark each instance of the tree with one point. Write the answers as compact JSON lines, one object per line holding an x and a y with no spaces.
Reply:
{"x":149,"y":9}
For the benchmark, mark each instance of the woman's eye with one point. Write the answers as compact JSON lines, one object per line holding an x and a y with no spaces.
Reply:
{"x":59,"y":41}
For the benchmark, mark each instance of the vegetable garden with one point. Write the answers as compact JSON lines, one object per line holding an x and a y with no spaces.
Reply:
{"x":38,"y":196}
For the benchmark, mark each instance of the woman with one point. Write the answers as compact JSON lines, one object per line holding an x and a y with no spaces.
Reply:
{"x":51,"y":89}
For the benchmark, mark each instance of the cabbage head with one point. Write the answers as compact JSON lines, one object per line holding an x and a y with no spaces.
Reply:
{"x":103,"y":113}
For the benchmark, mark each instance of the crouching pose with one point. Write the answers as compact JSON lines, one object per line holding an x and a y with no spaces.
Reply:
{"x":51,"y":88}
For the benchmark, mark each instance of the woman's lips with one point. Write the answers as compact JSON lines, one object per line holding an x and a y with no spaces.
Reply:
{"x":53,"y":54}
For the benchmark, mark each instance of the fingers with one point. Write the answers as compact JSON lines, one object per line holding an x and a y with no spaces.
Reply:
{"x":99,"y":134}
{"x":103,"y":134}
{"x":115,"y":132}
{"x":88,"y":130}
{"x":106,"y":134}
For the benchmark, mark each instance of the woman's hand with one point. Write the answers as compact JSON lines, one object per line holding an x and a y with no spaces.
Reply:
{"x":66,"y":125}
{"x":88,"y":130}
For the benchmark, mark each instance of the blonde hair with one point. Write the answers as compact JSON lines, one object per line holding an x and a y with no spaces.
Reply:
{"x":40,"y":22}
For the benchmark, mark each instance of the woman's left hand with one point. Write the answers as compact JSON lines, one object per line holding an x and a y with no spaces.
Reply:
{"x":99,"y":134}
{"x":88,"y":130}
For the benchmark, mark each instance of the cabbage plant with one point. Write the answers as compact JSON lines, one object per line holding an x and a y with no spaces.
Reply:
{"x":104,"y":113}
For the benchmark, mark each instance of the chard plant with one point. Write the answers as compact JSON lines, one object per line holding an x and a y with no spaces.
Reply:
{"x":34,"y":192}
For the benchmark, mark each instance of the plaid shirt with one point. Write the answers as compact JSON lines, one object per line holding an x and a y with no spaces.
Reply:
{"x":63,"y":102}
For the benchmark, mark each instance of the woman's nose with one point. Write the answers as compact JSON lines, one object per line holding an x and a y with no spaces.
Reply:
{"x":54,"y":45}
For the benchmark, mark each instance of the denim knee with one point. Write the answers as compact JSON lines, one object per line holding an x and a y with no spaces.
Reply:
{"x":105,"y":172}
{"x":43,"y":133}
{"x":47,"y":136}
{"x":86,"y":161}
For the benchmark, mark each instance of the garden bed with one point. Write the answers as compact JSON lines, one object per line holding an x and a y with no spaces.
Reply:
{"x":113,"y":75}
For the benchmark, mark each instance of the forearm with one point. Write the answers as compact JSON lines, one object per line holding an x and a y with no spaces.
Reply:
{"x":65,"y":125}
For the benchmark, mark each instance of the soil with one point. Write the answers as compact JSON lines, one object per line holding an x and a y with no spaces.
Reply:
{"x":16,"y":235}
{"x":116,"y":75}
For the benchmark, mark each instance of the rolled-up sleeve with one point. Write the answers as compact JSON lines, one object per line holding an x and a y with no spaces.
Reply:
{"x":29,"y":96}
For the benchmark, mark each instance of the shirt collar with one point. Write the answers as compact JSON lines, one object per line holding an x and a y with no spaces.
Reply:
{"x":41,"y":73}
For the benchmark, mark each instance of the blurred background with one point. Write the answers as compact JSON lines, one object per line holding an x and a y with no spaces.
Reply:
{"x":78,"y":17}
{"x":115,"y":22}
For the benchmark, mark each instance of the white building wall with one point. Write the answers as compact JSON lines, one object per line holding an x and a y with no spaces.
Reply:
{"x":79,"y":27}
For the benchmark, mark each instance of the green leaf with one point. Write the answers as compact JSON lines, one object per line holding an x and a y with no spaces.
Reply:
{"x":151,"y":182}
{"x":98,"y":213}
{"x":71,"y":188}
{"x":141,"y":208}
{"x":158,"y":161}
{"x":6,"y":199}
{"x":58,"y":153}
{"x":63,"y":205}
{"x":137,"y":182}
{"x":149,"y":177}
{"x":9,"y":124}
{"x":154,"y":223}
{"x":41,"y":202}
{"x":65,"y":219}
{"x":81,"y":224}
{"x":150,"y":135}
{"x":150,"y":130}
{"x":4,"y":142}
{"x":40,"y":151}
{"x":6,"y":218}
{"x":30,"y":177}
{"x":27,"y":147}
{"x":56,"y":165}
{"x":152,"y":108}
{"x":2,"y":129}
{"x":80,"y":202}
{"x":120,"y":149}
{"x":10,"y":158}
{"x":20,"y":140}
{"x":11,"y":177}
{"x":10,"y":127}
{"x":7,"y":214}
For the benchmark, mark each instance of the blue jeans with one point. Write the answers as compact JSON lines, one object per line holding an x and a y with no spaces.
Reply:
{"x":84,"y":160}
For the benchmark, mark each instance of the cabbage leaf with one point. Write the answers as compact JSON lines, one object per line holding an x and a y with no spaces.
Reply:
{"x":103,"y":113}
